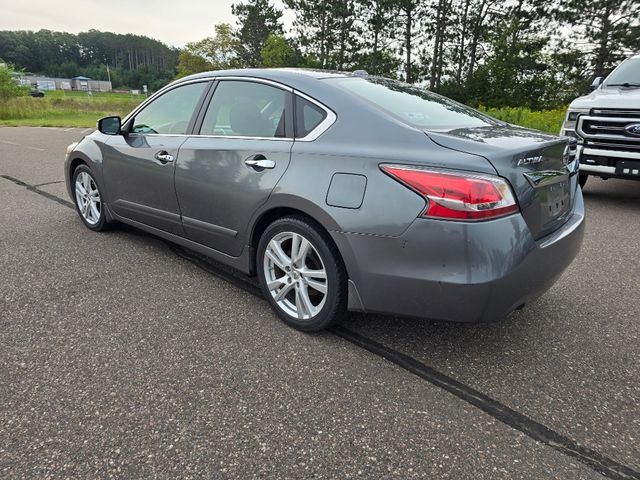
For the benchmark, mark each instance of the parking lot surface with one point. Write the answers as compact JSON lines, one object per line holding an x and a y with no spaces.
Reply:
{"x":124,"y":356}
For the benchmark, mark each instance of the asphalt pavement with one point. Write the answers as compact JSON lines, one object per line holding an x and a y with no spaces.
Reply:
{"x":123,"y":356}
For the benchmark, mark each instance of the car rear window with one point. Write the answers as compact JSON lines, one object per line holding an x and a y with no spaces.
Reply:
{"x":413,"y":105}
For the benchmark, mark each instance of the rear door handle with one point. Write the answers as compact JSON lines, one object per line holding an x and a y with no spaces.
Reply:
{"x":164,"y":157}
{"x":259,"y":162}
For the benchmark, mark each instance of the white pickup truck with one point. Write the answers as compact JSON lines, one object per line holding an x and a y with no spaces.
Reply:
{"x":606,"y":124}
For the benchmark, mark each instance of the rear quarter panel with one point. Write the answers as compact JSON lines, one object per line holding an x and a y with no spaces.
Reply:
{"x":358,"y":143}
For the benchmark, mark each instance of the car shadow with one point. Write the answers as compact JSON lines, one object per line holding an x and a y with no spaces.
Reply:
{"x":433,"y":338}
{"x":613,"y":190}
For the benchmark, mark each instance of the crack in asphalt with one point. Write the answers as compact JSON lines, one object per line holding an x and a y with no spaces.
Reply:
{"x":33,"y":188}
{"x":535,"y":430}
{"x":48,"y":183}
{"x":504,"y":414}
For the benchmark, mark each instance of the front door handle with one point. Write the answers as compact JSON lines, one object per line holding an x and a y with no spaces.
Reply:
{"x":164,"y":157}
{"x":259,"y":162}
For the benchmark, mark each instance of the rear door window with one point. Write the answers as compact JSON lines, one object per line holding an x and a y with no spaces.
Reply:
{"x":246,"y":109}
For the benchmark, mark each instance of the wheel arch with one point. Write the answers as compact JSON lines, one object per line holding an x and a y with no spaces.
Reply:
{"x":286,"y":206}
{"x":78,"y":158}
{"x":74,"y":164}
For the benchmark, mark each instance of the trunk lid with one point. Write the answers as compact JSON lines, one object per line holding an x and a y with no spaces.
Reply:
{"x":540,"y":167}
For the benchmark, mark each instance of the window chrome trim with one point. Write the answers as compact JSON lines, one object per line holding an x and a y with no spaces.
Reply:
{"x":256,"y":80}
{"x":160,"y":134}
{"x":230,"y":137}
{"x":323,"y":126}
{"x":160,"y":92}
{"x":240,"y":137}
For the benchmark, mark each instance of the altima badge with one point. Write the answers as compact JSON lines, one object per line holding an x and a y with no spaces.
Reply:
{"x":530,"y":160}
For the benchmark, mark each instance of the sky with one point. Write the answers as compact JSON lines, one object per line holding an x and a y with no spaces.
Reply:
{"x":174,"y":22}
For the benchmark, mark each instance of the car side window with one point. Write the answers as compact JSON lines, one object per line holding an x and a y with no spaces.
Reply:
{"x":308,"y":116}
{"x":171,"y":112}
{"x":245,"y":109}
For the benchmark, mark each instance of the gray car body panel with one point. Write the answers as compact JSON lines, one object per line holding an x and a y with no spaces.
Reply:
{"x":219,"y":193}
{"x":140,"y":186}
{"x":396,"y":261}
{"x":465,"y":272}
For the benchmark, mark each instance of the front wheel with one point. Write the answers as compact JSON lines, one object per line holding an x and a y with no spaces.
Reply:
{"x":88,"y":199}
{"x":582,"y":179}
{"x":301,"y":274}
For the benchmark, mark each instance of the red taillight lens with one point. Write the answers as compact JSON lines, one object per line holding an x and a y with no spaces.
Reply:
{"x":457,"y":195}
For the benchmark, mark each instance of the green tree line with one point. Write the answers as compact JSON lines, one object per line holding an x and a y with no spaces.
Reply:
{"x":525,"y":53}
{"x":133,"y":60}
{"x":496,"y":53}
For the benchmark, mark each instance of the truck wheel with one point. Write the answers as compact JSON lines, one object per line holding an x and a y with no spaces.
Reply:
{"x":582,"y":178}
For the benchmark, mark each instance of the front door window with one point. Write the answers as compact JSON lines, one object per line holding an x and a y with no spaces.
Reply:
{"x":171,"y":112}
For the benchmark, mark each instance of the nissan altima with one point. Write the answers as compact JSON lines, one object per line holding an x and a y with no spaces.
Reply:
{"x":341,"y":192}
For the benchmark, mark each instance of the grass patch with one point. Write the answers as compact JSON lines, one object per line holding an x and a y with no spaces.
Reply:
{"x":63,"y":119}
{"x":548,"y":121}
{"x":78,"y":109}
{"x":65,"y":109}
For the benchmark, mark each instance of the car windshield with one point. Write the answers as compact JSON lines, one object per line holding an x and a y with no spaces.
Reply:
{"x":416,"y":106}
{"x":627,"y":73}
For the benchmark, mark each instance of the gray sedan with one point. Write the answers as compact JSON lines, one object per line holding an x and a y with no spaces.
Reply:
{"x":341,"y":192}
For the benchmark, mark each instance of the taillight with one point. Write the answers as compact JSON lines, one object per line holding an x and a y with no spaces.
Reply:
{"x":456,"y":195}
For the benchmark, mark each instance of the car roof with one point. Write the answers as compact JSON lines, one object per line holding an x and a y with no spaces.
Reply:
{"x":294,"y":77}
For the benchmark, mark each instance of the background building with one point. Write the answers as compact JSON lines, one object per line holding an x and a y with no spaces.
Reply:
{"x":75,"y":83}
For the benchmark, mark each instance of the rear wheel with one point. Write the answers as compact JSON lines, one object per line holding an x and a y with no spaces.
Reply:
{"x":582,"y":179}
{"x":301,"y":274}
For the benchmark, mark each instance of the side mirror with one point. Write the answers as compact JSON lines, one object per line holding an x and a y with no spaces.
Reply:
{"x":110,"y":125}
{"x":596,"y":83}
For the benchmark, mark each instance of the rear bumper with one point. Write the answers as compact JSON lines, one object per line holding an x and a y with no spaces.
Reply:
{"x":456,"y":271}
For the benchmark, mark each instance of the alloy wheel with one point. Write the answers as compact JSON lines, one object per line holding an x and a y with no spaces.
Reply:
{"x":88,"y":198}
{"x":295,"y":275}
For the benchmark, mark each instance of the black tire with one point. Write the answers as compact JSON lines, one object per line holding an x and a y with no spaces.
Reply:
{"x":101,"y":224}
{"x":582,"y":179}
{"x":334,"y":308}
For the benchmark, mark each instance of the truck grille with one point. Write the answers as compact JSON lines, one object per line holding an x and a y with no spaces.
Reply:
{"x":610,"y":112}
{"x":612,"y":145}
{"x":607,"y":129}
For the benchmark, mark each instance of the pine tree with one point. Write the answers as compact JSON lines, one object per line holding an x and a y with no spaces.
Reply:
{"x":409,"y":13}
{"x":257,"y":19}
{"x":378,"y":36}
{"x":606,"y":27}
